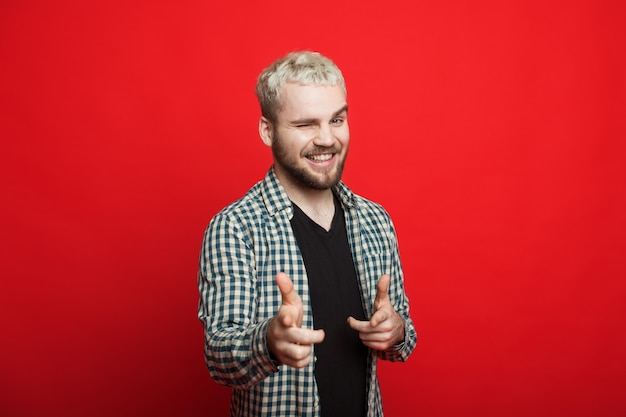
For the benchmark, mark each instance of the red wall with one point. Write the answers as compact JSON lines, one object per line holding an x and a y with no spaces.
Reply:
{"x":493,"y":132}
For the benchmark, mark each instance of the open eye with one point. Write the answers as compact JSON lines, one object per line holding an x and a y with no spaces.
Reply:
{"x":337,"y":121}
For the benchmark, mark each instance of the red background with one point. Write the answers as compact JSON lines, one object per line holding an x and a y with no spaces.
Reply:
{"x":492,"y":131}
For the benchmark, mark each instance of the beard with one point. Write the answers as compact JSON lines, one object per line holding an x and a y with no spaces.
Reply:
{"x":303,"y":176}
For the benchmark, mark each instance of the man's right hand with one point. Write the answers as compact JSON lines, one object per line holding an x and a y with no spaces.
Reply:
{"x":287,"y":341}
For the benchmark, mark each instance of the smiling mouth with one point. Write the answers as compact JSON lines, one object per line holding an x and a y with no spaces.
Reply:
{"x":320,"y":158}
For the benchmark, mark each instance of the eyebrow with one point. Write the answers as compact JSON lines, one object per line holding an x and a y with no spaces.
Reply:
{"x":341,"y":110}
{"x":313,"y":120}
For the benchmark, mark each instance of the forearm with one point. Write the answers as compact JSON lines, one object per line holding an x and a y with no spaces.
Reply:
{"x":235,"y":343}
{"x":402,"y":350}
{"x":236,"y":356}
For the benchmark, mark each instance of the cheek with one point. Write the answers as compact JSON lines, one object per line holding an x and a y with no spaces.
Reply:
{"x":344,"y":138}
{"x":343,"y":133}
{"x":285,"y":149}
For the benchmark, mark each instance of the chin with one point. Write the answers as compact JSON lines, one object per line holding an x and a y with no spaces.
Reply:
{"x":321,"y":183}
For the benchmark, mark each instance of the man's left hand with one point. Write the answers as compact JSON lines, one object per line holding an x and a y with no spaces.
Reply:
{"x":386,"y":328}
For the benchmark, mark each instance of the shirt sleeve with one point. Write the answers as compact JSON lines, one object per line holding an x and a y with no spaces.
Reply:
{"x":397,"y":295}
{"x":235,"y":345}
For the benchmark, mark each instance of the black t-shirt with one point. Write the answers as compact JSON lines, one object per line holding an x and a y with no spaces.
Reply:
{"x":341,"y":359}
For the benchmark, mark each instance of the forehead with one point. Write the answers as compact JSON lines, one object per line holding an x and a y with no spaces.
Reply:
{"x":310,"y":101}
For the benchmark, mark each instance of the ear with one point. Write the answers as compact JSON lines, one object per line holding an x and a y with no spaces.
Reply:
{"x":265,"y":131}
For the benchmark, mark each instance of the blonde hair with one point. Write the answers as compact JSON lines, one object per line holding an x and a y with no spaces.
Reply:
{"x":304,"y":68}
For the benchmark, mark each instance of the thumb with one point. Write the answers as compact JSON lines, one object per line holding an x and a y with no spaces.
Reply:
{"x":291,"y":299}
{"x":382,"y":291}
{"x":286,"y":289}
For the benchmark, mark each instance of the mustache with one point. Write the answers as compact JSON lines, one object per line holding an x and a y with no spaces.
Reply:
{"x":316,"y":150}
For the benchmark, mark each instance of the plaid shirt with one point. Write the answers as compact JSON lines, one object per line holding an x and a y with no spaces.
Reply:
{"x":244,"y":247}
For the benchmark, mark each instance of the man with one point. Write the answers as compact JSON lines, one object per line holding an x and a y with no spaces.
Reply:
{"x":301,"y":286}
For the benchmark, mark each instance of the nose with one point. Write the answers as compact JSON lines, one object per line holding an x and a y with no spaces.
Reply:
{"x":325,"y":136}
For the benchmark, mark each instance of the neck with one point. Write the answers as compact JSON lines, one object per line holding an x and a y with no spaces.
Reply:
{"x":321,"y":212}
{"x":318,"y":202}
{"x":319,"y":205}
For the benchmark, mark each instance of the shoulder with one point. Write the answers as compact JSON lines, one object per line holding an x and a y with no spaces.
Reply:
{"x":363,"y":207}
{"x":368,"y":206}
{"x":264,"y":201}
{"x":249,"y":204}
{"x":243,"y":217}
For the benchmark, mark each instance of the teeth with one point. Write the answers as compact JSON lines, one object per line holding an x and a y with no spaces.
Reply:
{"x":320,"y":158}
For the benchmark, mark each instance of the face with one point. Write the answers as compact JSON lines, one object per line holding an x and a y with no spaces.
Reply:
{"x":310,"y":137}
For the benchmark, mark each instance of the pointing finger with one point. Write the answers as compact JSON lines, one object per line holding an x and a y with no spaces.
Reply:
{"x":359,"y":325}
